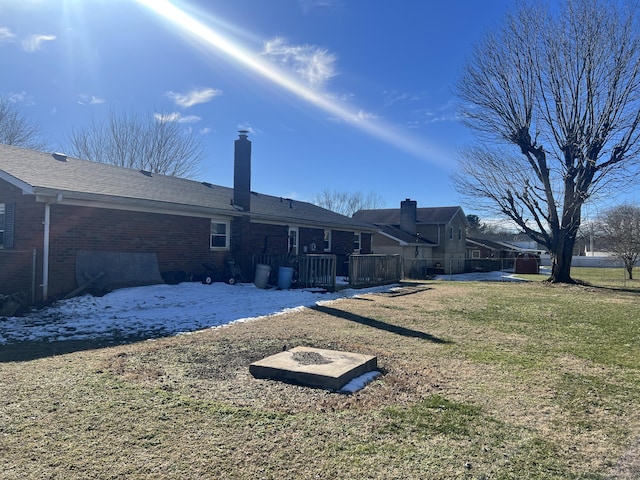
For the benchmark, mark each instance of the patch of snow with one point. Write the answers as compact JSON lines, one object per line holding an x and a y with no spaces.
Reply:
{"x":360,"y":382}
{"x":162,"y":310}
{"x":159,"y":310}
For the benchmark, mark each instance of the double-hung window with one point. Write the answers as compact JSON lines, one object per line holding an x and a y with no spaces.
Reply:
{"x":219,"y":235}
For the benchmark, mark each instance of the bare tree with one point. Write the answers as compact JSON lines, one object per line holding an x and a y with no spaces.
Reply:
{"x":150,"y":143}
{"x":16,"y":129}
{"x":556,"y":103}
{"x":620,"y":229}
{"x":347,"y":203}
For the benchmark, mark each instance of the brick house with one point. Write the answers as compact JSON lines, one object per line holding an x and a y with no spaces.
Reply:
{"x":53,"y":209}
{"x":430,"y":239}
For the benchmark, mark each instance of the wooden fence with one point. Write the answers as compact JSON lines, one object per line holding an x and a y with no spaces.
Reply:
{"x":374,"y":269}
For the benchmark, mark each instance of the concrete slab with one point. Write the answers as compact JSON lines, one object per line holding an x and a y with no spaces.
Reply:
{"x":314,"y":367}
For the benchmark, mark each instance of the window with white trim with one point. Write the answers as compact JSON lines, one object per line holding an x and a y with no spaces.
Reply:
{"x":219,"y":235}
{"x":450,"y":233}
{"x":459,"y":234}
{"x":327,"y":240}
{"x":475,"y":253}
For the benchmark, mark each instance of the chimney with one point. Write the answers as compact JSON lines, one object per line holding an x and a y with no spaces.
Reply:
{"x":242,"y":172}
{"x":408,"y":216}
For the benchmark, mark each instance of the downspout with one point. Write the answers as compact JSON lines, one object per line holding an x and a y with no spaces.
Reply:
{"x":45,"y":252}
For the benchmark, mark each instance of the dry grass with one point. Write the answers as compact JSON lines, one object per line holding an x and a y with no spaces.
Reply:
{"x":479,"y":381}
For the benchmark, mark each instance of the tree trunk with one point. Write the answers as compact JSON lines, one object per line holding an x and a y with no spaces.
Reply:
{"x":630,"y":271}
{"x":561,"y":260}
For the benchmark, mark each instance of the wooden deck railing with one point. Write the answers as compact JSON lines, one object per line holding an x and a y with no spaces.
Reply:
{"x":319,"y":270}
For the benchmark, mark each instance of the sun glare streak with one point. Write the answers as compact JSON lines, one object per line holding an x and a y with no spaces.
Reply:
{"x":195,"y":28}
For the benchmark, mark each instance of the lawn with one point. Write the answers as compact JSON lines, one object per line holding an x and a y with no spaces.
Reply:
{"x":480,"y":380}
{"x":603,"y":277}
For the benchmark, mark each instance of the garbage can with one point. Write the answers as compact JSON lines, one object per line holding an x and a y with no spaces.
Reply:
{"x":285,"y":277}
{"x":262,"y":275}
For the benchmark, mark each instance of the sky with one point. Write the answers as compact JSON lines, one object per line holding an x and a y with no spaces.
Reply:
{"x":344,"y":95}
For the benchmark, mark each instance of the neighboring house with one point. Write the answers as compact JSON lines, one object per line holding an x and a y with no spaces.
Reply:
{"x":482,"y":248}
{"x":484,"y":254}
{"x":55,"y":210}
{"x":430,"y":239}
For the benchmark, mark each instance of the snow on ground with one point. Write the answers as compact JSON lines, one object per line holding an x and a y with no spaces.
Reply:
{"x":159,"y":310}
{"x":163,"y":310}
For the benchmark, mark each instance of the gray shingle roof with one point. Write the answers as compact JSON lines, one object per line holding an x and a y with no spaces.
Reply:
{"x":391,"y":216}
{"x":48,"y":174}
{"x":403,"y":236}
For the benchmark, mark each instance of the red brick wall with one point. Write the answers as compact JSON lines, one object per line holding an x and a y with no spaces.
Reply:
{"x":16,"y":264}
{"x":180,"y":243}
{"x":310,"y":236}
{"x":266,"y":238}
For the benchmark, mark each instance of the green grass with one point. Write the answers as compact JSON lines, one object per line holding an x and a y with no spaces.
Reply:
{"x":607,"y":277}
{"x":510,"y":381}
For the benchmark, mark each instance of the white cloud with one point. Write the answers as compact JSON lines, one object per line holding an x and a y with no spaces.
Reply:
{"x":313,"y":64}
{"x":34,"y":42}
{"x":20,"y":97}
{"x":84,"y":99}
{"x":189,"y":119}
{"x":176,"y":117}
{"x":444,"y":113}
{"x":6,"y":35}
{"x":194,"y":97}
{"x":360,"y":116}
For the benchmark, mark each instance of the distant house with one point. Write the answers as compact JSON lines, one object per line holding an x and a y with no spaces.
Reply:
{"x":430,"y":239}
{"x":56,"y":211}
{"x":479,"y":248}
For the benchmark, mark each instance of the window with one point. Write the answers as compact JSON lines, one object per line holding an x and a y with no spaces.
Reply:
{"x":327,"y":240}
{"x":459,"y":234}
{"x":475,"y":253}
{"x":219,"y":235}
{"x":356,"y":242}
{"x":450,"y":233}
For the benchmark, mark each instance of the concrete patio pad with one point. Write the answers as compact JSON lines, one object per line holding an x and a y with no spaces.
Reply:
{"x":314,"y":367}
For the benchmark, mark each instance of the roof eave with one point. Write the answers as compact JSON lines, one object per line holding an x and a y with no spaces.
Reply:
{"x":24,"y":186}
{"x":67,"y":197}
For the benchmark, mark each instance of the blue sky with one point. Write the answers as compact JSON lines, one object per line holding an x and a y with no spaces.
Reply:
{"x":348,"y":95}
